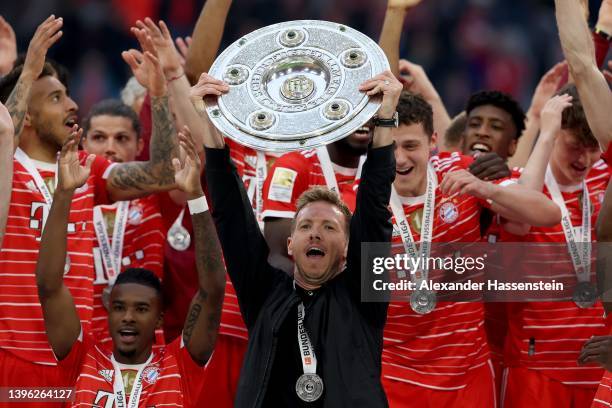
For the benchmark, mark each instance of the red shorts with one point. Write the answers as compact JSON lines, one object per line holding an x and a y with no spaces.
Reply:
{"x":603,"y":397}
{"x":222,"y":373}
{"x":529,"y":388}
{"x":18,"y":373}
{"x":478,"y":393}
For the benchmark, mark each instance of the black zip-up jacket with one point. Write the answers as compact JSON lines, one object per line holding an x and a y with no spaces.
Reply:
{"x":347,"y":334}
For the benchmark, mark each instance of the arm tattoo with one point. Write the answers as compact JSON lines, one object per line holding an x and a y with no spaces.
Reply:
{"x":158,"y":172}
{"x":17,"y":105}
{"x":192,"y":318}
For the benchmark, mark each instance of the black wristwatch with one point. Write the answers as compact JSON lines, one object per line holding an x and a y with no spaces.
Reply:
{"x":393,"y":122}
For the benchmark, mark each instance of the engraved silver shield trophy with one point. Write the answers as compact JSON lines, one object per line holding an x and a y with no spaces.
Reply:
{"x":294,"y":85}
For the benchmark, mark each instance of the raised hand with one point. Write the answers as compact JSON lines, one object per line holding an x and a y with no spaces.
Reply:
{"x":71,"y":174}
{"x":608,"y":73}
{"x":604,"y":19}
{"x":551,"y":114}
{"x":463,"y":182}
{"x":390,"y":88}
{"x":183,"y":47}
{"x":187,"y":175}
{"x":548,"y":85}
{"x":598,"y":349}
{"x":161,"y":40}
{"x":206,"y":86}
{"x":402,"y":4}
{"x":8,"y":47}
{"x":147,"y":70}
{"x":416,"y":81}
{"x":47,"y":34}
{"x":6,"y":123}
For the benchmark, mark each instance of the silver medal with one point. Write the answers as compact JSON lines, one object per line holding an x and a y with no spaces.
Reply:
{"x":67,"y":264}
{"x":585,"y":295}
{"x":423,"y":301}
{"x":179,"y":238}
{"x":309,"y":387}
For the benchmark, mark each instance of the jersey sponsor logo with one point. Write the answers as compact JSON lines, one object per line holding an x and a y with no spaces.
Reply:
{"x":281,"y":187}
{"x":151,"y":374}
{"x":104,"y":399}
{"x":449,"y":212}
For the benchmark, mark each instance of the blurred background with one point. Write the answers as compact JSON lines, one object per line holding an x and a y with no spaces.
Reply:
{"x":464,"y":45}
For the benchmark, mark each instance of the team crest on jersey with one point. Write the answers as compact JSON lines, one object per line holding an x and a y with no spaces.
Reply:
{"x":107,"y":375}
{"x":151,"y":374}
{"x":449,"y":212}
{"x":135,"y":214}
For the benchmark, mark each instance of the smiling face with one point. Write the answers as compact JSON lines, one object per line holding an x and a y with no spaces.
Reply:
{"x":489,"y":129}
{"x":113,"y":137}
{"x":135,"y":313}
{"x":318,"y":243}
{"x":412,"y":152}
{"x":571,"y":158}
{"x":51,"y":112}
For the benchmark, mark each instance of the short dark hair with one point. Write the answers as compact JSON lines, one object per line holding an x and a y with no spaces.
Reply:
{"x":321,"y":193}
{"x":140,"y":276}
{"x":8,"y":82}
{"x":61,"y":72}
{"x":574,"y":119}
{"x":413,"y":109}
{"x":112,"y":107}
{"x":455,"y":131}
{"x":502,"y":101}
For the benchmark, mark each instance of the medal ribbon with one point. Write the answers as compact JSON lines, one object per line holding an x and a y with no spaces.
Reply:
{"x":111,"y":253}
{"x":27,"y":163}
{"x":581,"y":260}
{"x":426,"y":225}
{"x":119,"y":388}
{"x":328,"y":170}
{"x":309,"y":360}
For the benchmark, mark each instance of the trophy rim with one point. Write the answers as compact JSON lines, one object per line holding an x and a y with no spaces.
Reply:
{"x":261,"y":140}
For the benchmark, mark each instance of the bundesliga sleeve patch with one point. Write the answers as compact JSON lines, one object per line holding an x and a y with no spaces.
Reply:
{"x":281,"y":187}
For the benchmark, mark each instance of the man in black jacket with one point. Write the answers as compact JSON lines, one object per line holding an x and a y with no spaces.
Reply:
{"x":312,"y":342}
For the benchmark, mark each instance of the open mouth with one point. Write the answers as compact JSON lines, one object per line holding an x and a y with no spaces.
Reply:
{"x":480,"y":147}
{"x":70,"y":122}
{"x":404,"y":172}
{"x":364,"y":130}
{"x":315,"y":252}
{"x":579,"y":168}
{"x":128,"y":335}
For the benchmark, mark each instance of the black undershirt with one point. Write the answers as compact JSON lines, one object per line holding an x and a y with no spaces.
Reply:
{"x":287,"y":365}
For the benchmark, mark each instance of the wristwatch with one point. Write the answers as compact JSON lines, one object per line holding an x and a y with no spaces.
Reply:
{"x":393,"y":122}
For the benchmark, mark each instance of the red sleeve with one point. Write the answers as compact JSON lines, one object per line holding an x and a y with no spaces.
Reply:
{"x":192,"y":374}
{"x":100,"y":169}
{"x":286,"y":181}
{"x":145,"y":127}
{"x":71,"y":365}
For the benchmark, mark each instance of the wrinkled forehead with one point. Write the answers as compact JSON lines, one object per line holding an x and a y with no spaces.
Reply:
{"x":320,"y":211}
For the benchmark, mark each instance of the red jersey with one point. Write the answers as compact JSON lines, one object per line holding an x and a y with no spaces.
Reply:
{"x":607,"y":155}
{"x":171,"y":378}
{"x":295,"y":172}
{"x":440,"y":349}
{"x":143,"y":247}
{"x":22,"y":330}
{"x":548,"y":336}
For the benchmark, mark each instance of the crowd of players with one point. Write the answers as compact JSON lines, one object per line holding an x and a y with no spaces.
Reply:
{"x":124,"y":280}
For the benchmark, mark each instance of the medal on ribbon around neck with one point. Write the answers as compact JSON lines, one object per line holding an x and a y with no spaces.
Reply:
{"x":585,"y":295}
{"x":179,"y":238}
{"x":423,"y":301}
{"x":309,"y":387}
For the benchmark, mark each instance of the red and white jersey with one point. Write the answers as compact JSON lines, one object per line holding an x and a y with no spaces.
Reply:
{"x":295,"y":172}
{"x":440,"y":349}
{"x":171,"y":379}
{"x":607,"y":155}
{"x":22,"y":330}
{"x":603,"y":397}
{"x":143,"y":247}
{"x":556,"y":331}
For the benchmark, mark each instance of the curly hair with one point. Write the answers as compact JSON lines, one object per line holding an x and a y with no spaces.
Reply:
{"x":574,"y":119}
{"x":413,"y":109}
{"x":502,"y":101}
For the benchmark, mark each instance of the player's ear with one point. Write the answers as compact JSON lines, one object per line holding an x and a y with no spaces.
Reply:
{"x":289,"y":246}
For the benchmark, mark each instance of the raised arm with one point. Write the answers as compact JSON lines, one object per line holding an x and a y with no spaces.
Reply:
{"x":577,"y":44}
{"x":8,"y":47}
{"x":6,"y":166}
{"x":391,"y":34}
{"x":59,"y":312}
{"x":206,"y":38}
{"x":136,"y":179}
{"x":202,"y":324}
{"x":47,"y":33}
